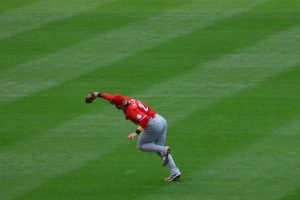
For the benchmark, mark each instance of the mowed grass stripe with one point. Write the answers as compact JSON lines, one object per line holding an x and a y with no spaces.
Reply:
{"x":44,"y":76}
{"x":234,"y":72}
{"x":39,"y":13}
{"x":34,"y":121}
{"x":86,"y":124}
{"x":8,"y":126}
{"x":294,"y":195}
{"x":73,"y":17}
{"x":222,"y":132}
{"x":102,"y":51}
{"x":58,"y":151}
{"x":253,"y":132}
{"x":7,"y":5}
{"x":42,"y":120}
{"x":266,"y":170}
{"x":55,"y":110}
{"x":64,"y":32}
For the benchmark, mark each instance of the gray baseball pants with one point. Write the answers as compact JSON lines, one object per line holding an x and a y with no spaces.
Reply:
{"x":153,"y":139}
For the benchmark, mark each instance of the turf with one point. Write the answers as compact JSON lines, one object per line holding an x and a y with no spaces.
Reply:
{"x":225,"y":75}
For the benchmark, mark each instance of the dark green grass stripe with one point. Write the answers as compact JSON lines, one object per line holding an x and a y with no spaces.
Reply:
{"x":200,"y":46}
{"x":103,"y":50}
{"x":86,"y":125}
{"x":265,"y":169}
{"x":12,"y":82}
{"x":7,"y":5}
{"x":40,"y":13}
{"x":207,"y":135}
{"x":240,"y":119}
{"x":225,"y":36}
{"x":294,"y":195}
{"x":59,"y":34}
{"x":36,"y":113}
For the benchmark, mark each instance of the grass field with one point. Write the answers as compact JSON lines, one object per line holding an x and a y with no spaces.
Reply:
{"x":225,"y":75}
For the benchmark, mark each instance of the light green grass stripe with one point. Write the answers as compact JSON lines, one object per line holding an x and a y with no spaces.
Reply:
{"x":70,"y":150}
{"x":7,"y":5}
{"x":42,"y":12}
{"x":235,"y":72}
{"x":267,"y":170}
{"x":57,"y":151}
{"x":209,"y":83}
{"x":52,"y":70}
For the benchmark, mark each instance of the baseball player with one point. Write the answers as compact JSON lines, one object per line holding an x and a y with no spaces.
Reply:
{"x":151,"y":127}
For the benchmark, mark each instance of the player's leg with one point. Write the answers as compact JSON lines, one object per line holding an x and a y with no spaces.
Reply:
{"x":161,"y":140}
{"x":146,"y":141}
{"x":174,"y":171}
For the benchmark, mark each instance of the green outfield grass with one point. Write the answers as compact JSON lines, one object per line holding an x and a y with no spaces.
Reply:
{"x":225,"y":75}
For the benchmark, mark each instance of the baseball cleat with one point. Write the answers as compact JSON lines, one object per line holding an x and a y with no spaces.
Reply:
{"x":173,"y":177}
{"x":166,"y":156}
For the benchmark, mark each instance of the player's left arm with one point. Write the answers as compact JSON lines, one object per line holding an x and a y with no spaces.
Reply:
{"x":141,"y":119}
{"x":138,"y":130}
{"x":93,"y":95}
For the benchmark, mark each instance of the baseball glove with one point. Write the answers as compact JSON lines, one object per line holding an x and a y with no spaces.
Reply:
{"x":90,"y":97}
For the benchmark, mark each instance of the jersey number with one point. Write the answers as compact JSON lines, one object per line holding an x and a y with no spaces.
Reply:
{"x":144,"y":107}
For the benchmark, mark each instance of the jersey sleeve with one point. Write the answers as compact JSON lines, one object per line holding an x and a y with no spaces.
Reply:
{"x":106,"y":96}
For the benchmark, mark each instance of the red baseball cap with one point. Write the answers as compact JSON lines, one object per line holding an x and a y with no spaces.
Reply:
{"x":117,"y":99}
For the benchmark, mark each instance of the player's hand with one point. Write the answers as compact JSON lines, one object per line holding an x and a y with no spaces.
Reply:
{"x":131,"y":136}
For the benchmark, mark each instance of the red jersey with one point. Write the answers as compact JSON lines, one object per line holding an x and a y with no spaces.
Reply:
{"x":136,"y":111}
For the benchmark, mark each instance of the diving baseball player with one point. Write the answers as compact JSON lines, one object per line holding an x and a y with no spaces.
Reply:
{"x":152,"y":127}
